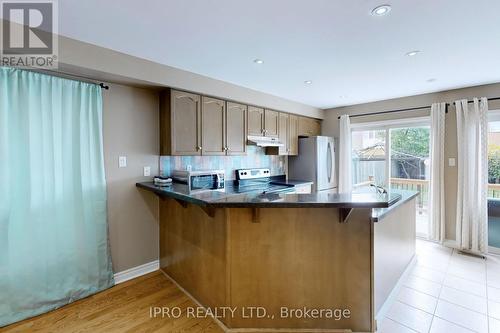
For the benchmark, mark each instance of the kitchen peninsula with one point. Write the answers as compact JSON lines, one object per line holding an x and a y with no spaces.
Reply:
{"x":280,"y":251}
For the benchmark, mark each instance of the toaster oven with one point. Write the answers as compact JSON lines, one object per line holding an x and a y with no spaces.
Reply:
{"x":201,"y":180}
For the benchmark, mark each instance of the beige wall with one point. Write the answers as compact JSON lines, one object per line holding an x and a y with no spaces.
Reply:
{"x":99,"y":62}
{"x":130,"y":128}
{"x":330,"y":127}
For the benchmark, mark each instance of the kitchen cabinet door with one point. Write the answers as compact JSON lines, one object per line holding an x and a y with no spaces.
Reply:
{"x":185,"y":123}
{"x":316,"y":127}
{"x":309,"y":126}
{"x":271,"y":123}
{"x":213,"y":120}
{"x":293,"y":135}
{"x":283,"y":133}
{"x":304,"y":128}
{"x":236,"y":127}
{"x":255,"y":121}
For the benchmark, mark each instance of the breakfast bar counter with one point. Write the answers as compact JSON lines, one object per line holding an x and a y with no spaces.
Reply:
{"x":232,"y":199}
{"x":276,"y":252}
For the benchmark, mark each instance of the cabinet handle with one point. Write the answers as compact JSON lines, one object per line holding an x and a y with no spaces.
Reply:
{"x":199,"y":147}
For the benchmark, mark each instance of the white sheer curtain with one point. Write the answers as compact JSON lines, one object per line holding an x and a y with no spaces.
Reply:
{"x":345,"y":178}
{"x":437,"y":204}
{"x":472,"y":215}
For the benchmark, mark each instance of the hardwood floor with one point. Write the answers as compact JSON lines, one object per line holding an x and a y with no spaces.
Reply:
{"x":123,"y":308}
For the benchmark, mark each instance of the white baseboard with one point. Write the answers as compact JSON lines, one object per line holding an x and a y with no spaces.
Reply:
{"x":450,"y":243}
{"x":493,"y":250}
{"x":137,"y":271}
{"x":395,"y":291}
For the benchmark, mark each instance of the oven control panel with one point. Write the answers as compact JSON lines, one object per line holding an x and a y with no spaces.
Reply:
{"x":252,"y":173}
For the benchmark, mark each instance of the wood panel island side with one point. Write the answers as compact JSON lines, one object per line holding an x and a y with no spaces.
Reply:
{"x":278,"y":261}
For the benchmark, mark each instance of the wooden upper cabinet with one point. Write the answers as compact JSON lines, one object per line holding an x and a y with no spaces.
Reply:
{"x":316,"y":127}
{"x":293,"y":135}
{"x":283,"y":133}
{"x":236,"y":129}
{"x":180,"y":120}
{"x":309,"y":126}
{"x":213,"y":126}
{"x":255,"y":121}
{"x":271,"y":123}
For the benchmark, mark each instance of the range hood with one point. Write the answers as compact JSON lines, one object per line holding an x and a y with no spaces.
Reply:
{"x":264,"y":141}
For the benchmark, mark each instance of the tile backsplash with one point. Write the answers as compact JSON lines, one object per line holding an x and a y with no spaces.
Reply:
{"x":255,"y":158}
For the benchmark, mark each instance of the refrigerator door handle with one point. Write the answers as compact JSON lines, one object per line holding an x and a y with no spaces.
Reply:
{"x":329,"y":165}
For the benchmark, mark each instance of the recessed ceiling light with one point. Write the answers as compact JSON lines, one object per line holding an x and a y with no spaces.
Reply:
{"x":258,"y":61}
{"x":381,"y":10}
{"x":431,"y":80}
{"x":342,"y":96}
{"x":308,"y":82}
{"x":413,"y":53}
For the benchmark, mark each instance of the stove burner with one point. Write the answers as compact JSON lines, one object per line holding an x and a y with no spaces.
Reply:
{"x":257,"y":180}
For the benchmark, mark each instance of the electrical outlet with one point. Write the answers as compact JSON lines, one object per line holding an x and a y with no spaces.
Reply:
{"x":147,"y":171}
{"x":122,"y":161}
{"x":451,"y":162}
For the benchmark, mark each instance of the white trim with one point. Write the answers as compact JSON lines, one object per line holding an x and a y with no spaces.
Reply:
{"x":493,"y":115}
{"x":137,"y":271}
{"x":395,"y":291}
{"x":493,"y":250}
{"x":393,"y":123}
{"x":450,"y":243}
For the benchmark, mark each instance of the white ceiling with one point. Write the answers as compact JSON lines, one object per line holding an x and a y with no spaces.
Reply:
{"x":351,"y":56}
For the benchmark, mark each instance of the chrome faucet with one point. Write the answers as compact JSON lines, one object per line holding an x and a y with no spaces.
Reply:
{"x":379,"y":189}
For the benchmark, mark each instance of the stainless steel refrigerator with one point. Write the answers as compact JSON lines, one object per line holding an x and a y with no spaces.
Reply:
{"x":315,"y":162}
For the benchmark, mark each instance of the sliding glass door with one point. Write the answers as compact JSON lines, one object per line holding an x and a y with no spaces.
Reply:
{"x":394,"y":155}
{"x":410,"y":168}
{"x":369,"y":158}
{"x":494,"y":185}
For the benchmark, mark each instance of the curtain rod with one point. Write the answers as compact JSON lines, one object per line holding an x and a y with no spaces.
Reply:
{"x":392,"y":111}
{"x":409,"y":109}
{"x":67,"y":75}
{"x":489,"y":99}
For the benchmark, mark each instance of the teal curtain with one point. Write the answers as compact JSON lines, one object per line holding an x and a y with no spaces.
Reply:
{"x":53,"y":223}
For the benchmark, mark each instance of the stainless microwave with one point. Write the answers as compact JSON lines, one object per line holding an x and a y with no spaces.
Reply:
{"x":201,"y":180}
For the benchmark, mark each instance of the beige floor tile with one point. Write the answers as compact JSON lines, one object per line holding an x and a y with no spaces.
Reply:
{"x":494,"y":294}
{"x":409,"y":316}
{"x":494,"y":325}
{"x":475,"y":288}
{"x":494,"y":309}
{"x":428,"y":274}
{"x":442,"y":326}
{"x":390,"y":326}
{"x":423,"y":285}
{"x":467,"y":300}
{"x":417,"y":299}
{"x":461,"y":316}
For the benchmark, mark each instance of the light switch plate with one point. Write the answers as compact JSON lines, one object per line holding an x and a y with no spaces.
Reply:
{"x":147,"y":171}
{"x":451,"y":162}
{"x":122,"y":161}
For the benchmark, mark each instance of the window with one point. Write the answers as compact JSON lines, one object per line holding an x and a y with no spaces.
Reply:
{"x":394,"y":155}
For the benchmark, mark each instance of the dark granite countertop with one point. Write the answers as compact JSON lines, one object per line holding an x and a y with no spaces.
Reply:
{"x":281,"y":180}
{"x":229,"y":199}
{"x":379,"y":213}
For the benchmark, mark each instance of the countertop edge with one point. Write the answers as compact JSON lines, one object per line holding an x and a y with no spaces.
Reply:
{"x":223,"y":204}
{"x":388,"y":210}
